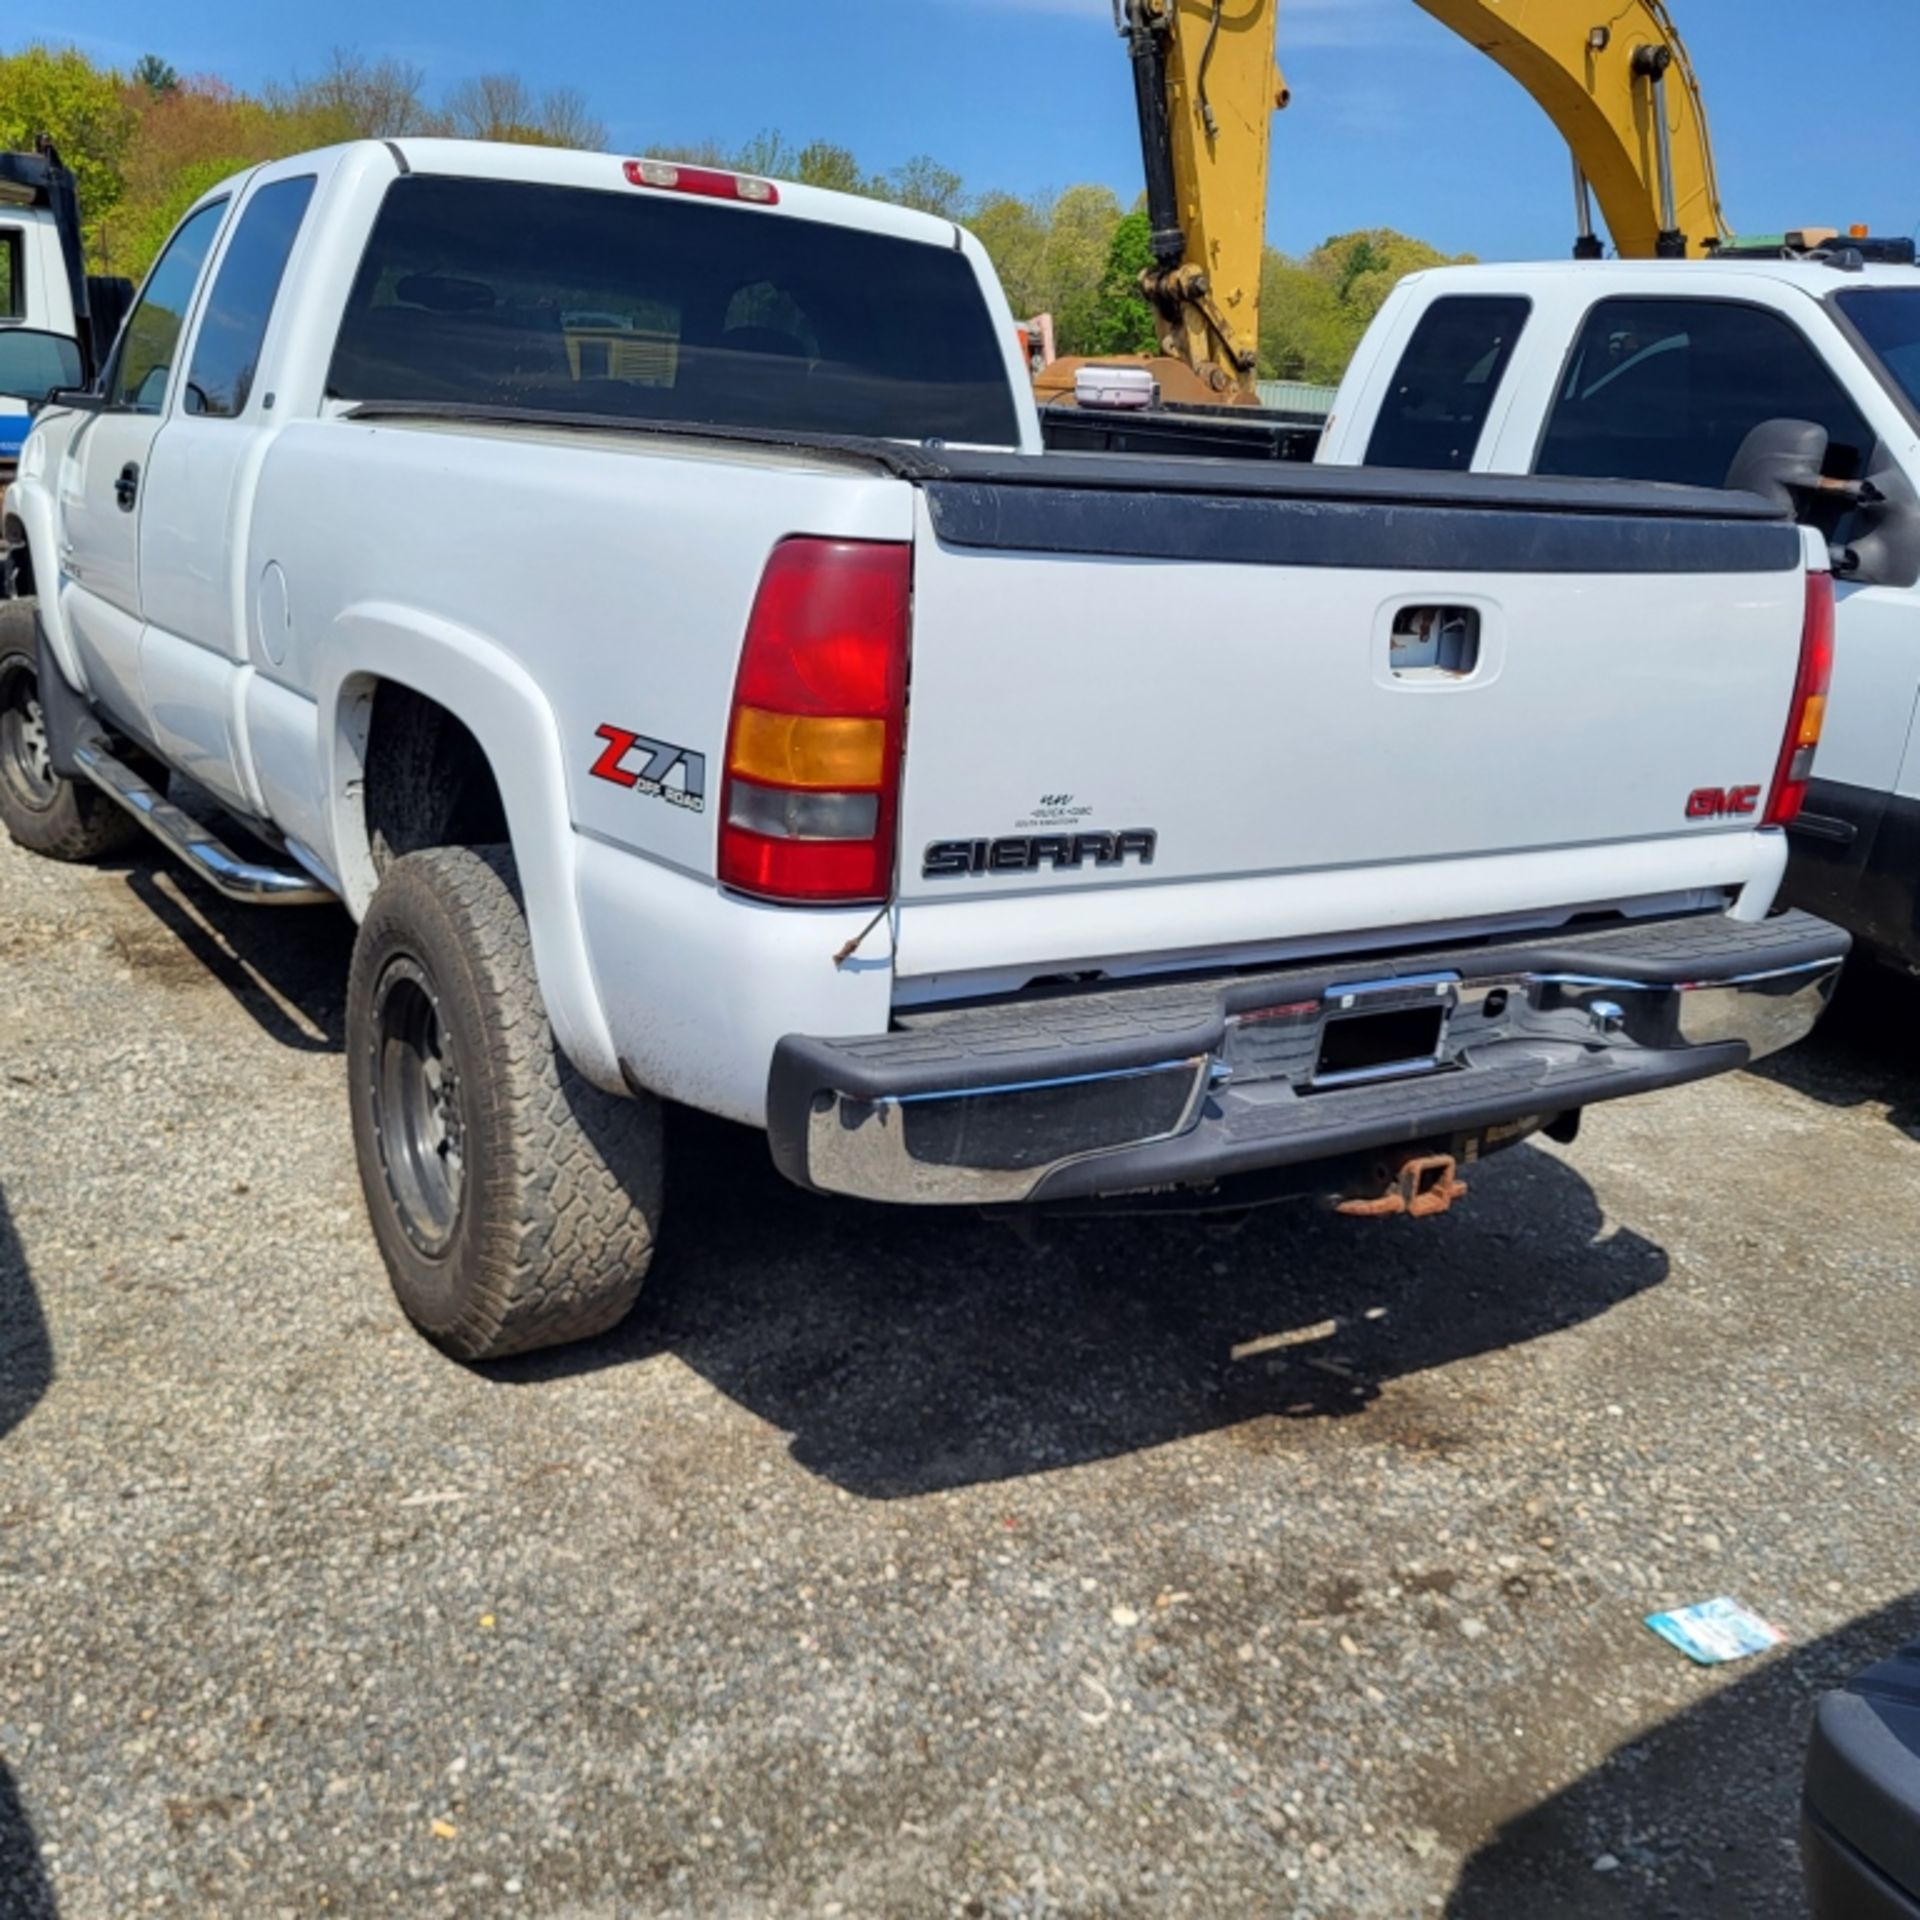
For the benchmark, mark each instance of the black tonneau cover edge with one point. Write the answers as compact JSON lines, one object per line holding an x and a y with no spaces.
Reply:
{"x":1258,"y":512}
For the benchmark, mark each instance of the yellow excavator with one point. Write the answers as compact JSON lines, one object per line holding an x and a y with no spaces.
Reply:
{"x":1612,"y":75}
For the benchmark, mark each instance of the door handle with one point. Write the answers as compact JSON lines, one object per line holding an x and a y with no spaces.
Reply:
{"x":126,"y":490}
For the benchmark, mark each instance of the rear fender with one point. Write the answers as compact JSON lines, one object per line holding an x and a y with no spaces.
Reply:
{"x":492,"y":695}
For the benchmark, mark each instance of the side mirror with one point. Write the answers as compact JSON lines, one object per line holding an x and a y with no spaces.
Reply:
{"x":1872,"y":525}
{"x":1781,"y":461}
{"x":77,"y":399}
{"x":33,"y":361}
{"x":1881,"y":547}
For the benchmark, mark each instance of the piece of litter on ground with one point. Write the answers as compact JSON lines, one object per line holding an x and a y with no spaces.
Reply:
{"x":1715,"y":1631}
{"x":1293,"y":1337}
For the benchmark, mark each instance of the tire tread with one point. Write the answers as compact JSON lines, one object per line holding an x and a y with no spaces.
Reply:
{"x":82,"y":824}
{"x":565,"y":1234}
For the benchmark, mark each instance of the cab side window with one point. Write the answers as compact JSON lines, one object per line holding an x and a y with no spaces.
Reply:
{"x":151,"y":336}
{"x":226,"y":350}
{"x":1668,"y":389}
{"x":1443,"y":389}
{"x":13,"y":289}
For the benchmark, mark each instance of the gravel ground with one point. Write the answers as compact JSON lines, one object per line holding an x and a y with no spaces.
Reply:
{"x":886,"y":1564}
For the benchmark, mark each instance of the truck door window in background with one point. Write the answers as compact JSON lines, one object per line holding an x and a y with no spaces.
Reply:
{"x":151,"y":336}
{"x":650,"y":306}
{"x":1888,"y":320}
{"x":13,"y":287}
{"x":1443,"y":389}
{"x":226,"y":350}
{"x":1668,"y":389}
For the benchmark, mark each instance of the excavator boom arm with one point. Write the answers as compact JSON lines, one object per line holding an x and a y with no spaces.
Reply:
{"x":1207,"y":89}
{"x":1618,"y":85}
{"x":1620,"y":89}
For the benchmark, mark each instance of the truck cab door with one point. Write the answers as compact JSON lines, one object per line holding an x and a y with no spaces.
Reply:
{"x":194,"y":533}
{"x":103,"y":474}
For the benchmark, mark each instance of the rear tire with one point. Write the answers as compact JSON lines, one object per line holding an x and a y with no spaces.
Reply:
{"x":58,"y":819}
{"x":516,"y":1205}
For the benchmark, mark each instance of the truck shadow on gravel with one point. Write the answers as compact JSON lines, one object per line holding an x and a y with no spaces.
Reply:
{"x":24,"y":1892}
{"x":287,"y":970}
{"x":26,"y":1351}
{"x":1701,"y":1813}
{"x":908,"y":1352}
{"x":1866,"y":1049}
{"x":26,"y":1371}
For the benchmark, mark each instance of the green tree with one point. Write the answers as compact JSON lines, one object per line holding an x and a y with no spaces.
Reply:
{"x":141,"y":227}
{"x":925,"y":184}
{"x":1313,"y":311}
{"x":354,"y":98}
{"x":768,"y":154}
{"x":1123,"y":322}
{"x":1080,"y":230}
{"x":821,"y":164}
{"x":501,"y":106}
{"x":1015,"y":234}
{"x":1305,"y":333}
{"x":153,"y":73}
{"x":59,"y":91}
{"x":1365,"y":267}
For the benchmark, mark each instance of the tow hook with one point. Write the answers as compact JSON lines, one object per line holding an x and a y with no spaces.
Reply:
{"x":1419,"y":1186}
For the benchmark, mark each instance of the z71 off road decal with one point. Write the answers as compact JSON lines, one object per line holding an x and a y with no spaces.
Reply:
{"x":656,"y":768}
{"x":1037,"y":853}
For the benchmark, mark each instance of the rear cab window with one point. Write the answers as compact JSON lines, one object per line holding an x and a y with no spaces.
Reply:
{"x":1668,"y":389}
{"x":651,"y":307}
{"x":1441,"y":393}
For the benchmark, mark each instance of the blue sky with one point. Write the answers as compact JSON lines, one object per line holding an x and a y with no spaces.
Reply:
{"x":1396,"y":123}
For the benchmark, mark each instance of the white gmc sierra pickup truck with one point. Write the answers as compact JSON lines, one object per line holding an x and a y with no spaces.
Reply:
{"x":638,"y":593}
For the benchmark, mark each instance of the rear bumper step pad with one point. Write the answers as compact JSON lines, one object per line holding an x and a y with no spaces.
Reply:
{"x":1185,"y":1084}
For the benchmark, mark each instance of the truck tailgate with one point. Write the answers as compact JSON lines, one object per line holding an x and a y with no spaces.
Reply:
{"x":1115,"y":683}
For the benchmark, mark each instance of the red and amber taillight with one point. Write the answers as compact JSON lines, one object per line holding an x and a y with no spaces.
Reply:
{"x":819,"y":722}
{"x":1809,"y":714}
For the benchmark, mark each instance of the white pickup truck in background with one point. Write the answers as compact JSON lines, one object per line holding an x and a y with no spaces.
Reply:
{"x":638,"y":593}
{"x":1660,"y":371}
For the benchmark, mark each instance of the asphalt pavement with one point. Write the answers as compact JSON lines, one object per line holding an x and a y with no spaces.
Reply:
{"x":891,"y":1564}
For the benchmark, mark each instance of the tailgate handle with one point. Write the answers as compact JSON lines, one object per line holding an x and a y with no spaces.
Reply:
{"x":1435,"y":643}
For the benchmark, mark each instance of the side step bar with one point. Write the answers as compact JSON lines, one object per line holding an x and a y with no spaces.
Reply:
{"x":218,"y":865}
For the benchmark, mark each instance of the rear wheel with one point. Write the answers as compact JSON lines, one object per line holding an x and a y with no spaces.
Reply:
{"x":62,"y":819}
{"x":515,"y":1204}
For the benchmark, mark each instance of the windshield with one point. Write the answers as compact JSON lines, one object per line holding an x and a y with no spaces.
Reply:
{"x":33,"y":363}
{"x":653,"y":307}
{"x":1888,"y":320}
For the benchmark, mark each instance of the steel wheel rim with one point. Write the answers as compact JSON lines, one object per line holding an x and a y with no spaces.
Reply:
{"x":419,"y":1110}
{"x":26,"y":761}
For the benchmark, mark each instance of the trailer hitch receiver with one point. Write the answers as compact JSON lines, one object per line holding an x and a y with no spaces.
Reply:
{"x":1417,"y":1185}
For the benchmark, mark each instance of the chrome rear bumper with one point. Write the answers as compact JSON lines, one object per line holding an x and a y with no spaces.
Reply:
{"x":1083,"y":1095}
